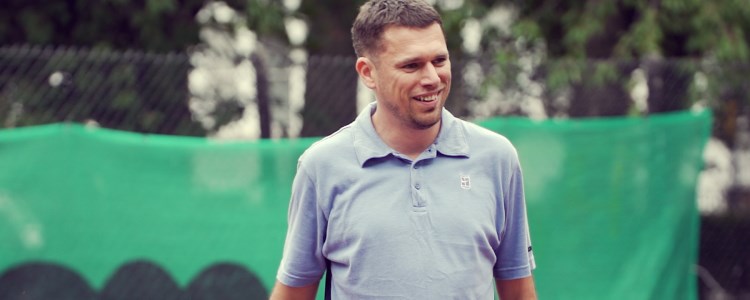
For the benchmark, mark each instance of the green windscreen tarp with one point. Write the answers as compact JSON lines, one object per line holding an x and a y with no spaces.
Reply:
{"x":87,"y":212}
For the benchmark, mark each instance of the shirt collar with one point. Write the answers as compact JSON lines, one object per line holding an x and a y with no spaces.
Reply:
{"x":451,"y":140}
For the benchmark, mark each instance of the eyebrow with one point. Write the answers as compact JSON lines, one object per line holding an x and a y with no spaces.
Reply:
{"x":410,"y":60}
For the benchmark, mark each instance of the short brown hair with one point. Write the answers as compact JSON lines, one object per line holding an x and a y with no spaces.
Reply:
{"x":375,"y":15}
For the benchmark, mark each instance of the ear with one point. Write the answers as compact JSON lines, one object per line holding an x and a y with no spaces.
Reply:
{"x":366,"y":70}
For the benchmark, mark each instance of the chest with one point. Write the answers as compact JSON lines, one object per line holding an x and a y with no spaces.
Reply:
{"x":453,"y":201}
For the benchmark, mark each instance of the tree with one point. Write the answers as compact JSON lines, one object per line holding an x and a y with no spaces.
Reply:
{"x":590,"y":48}
{"x":109,"y":24}
{"x":88,"y":81}
{"x":115,"y":87}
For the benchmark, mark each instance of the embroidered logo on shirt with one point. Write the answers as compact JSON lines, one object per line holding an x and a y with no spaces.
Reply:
{"x":465,"y":182}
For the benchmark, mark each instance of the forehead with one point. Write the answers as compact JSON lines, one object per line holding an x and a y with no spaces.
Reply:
{"x":401,"y":42}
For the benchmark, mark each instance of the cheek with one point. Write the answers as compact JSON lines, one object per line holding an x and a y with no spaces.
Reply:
{"x":404,"y":84}
{"x":446,"y":76}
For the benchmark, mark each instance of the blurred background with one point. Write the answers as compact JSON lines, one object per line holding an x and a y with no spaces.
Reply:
{"x":273,"y":69}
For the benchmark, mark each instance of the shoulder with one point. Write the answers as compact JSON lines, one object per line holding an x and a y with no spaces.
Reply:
{"x":484,"y":140}
{"x":334,"y":147}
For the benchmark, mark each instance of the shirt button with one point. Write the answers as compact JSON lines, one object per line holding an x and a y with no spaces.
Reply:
{"x":416,"y":166}
{"x":417,"y":186}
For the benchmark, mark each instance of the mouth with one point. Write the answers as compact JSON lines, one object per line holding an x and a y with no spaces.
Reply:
{"x":427,"y":98}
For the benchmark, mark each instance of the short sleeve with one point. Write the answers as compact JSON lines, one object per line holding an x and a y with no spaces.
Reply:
{"x":302,"y":262}
{"x":515,"y":258}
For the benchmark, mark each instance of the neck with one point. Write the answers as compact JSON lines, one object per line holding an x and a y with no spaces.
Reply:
{"x":405,"y":139}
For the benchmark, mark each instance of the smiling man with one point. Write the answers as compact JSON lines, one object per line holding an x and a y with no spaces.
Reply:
{"x":407,"y":202}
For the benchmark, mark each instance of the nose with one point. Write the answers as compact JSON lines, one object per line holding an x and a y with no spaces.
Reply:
{"x":430,"y":75}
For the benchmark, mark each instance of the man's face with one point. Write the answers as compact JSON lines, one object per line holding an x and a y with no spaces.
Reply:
{"x":411,"y":76}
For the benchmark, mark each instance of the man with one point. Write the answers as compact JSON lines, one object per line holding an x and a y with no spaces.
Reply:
{"x":408,"y":201}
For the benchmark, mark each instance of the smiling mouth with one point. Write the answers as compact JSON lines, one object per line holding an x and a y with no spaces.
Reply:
{"x":427,"y":98}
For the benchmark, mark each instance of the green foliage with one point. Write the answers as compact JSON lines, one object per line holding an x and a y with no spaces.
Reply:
{"x":605,"y":72}
{"x":569,"y":32}
{"x":152,"y":25}
{"x":669,"y":28}
{"x":583,"y":24}
{"x":102,"y":84}
{"x":632,"y":30}
{"x":644,"y":38}
{"x":453,"y":21}
{"x":36,"y":26}
{"x":265,"y":17}
{"x":330,"y":23}
{"x":564,"y":72}
{"x":156,"y":7}
{"x":528,"y":28}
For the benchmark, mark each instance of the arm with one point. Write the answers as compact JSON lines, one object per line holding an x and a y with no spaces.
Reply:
{"x":302,"y":263}
{"x":516,"y":289}
{"x":515,"y":248}
{"x":285,"y":292}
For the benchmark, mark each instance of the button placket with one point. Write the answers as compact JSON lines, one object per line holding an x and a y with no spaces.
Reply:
{"x":417,"y":185}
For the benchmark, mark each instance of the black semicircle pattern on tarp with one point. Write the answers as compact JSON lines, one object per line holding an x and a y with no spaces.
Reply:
{"x":143,"y":280}
{"x":226,"y":281}
{"x":42,"y":280}
{"x":140,"y":279}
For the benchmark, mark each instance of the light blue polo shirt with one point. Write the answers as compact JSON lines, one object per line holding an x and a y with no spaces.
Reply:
{"x":438,"y":227}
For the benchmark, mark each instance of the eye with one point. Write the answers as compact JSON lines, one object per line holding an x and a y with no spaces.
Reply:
{"x":410,"y":66}
{"x":439,"y":61}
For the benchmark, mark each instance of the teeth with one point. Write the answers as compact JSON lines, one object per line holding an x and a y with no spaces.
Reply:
{"x":427,"y":98}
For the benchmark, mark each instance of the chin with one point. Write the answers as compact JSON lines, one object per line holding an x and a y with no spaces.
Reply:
{"x":426,"y":124}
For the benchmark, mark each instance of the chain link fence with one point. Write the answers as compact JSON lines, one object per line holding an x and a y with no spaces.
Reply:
{"x":151,"y":93}
{"x":121,"y":90}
